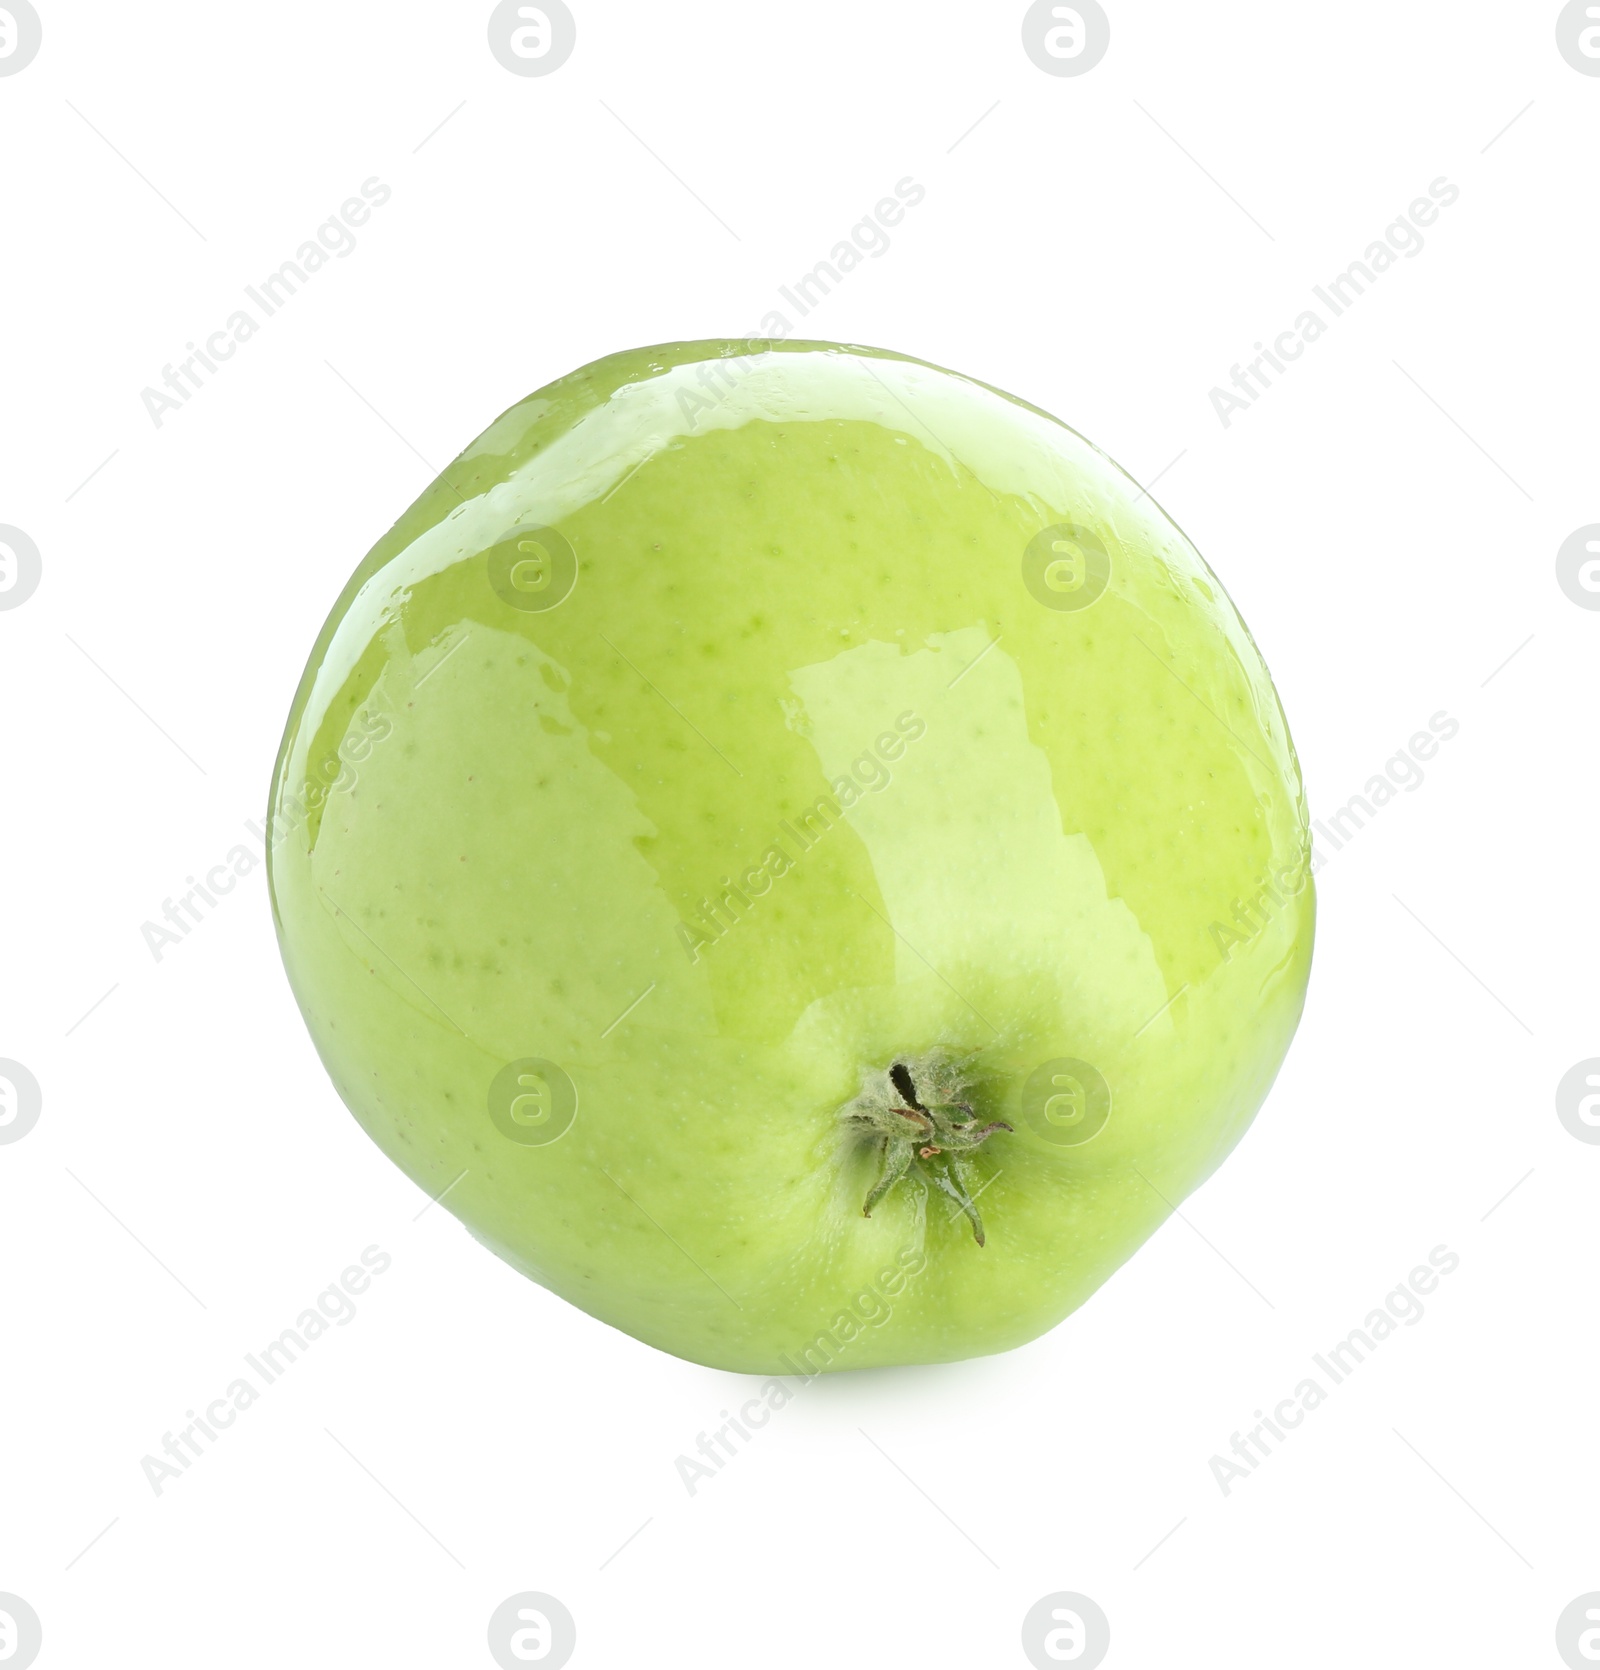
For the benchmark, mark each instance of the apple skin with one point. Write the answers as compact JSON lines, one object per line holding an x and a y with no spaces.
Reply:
{"x":519,"y":764}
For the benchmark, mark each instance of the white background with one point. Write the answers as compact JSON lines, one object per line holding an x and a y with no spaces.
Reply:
{"x":193,"y":1182}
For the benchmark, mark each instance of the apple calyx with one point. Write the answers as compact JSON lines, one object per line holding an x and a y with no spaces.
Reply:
{"x":914,"y":1111}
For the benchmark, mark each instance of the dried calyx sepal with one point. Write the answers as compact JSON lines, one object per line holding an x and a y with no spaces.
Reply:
{"x":916,"y":1111}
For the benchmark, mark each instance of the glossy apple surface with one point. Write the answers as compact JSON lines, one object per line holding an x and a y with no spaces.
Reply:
{"x":734,"y":753}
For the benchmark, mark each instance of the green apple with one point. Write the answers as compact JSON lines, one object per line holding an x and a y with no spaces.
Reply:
{"x":799,"y":851}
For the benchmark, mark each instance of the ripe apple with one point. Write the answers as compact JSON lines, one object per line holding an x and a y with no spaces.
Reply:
{"x":801,"y":849}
